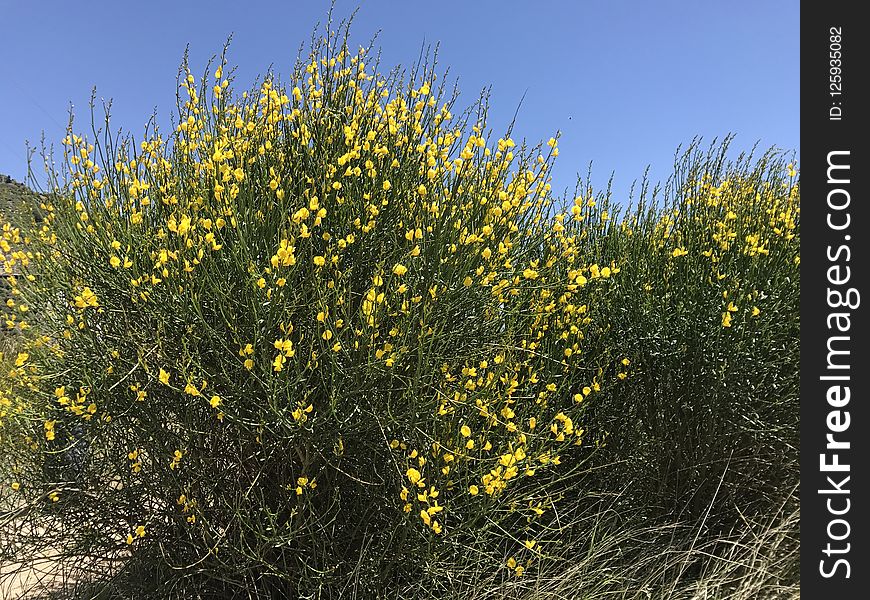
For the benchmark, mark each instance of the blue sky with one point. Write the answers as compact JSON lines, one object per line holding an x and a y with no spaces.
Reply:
{"x":626,"y":82}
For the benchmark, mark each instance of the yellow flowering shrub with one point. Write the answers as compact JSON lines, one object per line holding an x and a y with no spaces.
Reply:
{"x":317,"y":322}
{"x":707,"y":309}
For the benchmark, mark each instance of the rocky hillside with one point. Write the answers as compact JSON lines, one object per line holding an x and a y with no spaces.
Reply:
{"x":15,"y":197}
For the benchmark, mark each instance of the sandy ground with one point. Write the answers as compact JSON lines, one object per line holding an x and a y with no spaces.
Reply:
{"x":37,"y":572}
{"x":31,"y":573}
{"x":30,"y":580}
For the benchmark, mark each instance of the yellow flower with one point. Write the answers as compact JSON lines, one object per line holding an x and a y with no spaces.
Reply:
{"x":319,"y":261}
{"x":16,"y":486}
{"x":115,"y":262}
{"x":413,"y":475}
{"x":465,"y":430}
{"x":473,"y":490}
{"x":400,"y":269}
{"x":726,"y":319}
{"x":387,"y":185}
{"x":176,"y":459}
{"x":164,"y":377}
{"x":215,"y":401}
{"x":86,"y":299}
{"x":140,"y":531}
{"x":679,"y":252}
{"x":183,"y":225}
{"x":530,"y":544}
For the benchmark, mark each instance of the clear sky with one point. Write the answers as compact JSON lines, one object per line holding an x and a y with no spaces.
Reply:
{"x":626,"y":82}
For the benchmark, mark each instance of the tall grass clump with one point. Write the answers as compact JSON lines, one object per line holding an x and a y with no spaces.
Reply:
{"x":329,"y":336}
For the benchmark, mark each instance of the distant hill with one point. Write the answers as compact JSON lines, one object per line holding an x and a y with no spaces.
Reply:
{"x":15,"y":197}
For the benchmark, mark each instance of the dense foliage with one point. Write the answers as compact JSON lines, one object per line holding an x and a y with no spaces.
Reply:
{"x":327,"y":337}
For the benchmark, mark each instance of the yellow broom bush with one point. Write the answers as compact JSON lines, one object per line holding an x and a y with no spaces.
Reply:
{"x":707,"y":307}
{"x":324,"y":334}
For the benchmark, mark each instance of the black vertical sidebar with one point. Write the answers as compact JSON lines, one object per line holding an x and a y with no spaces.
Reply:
{"x":835,"y":421}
